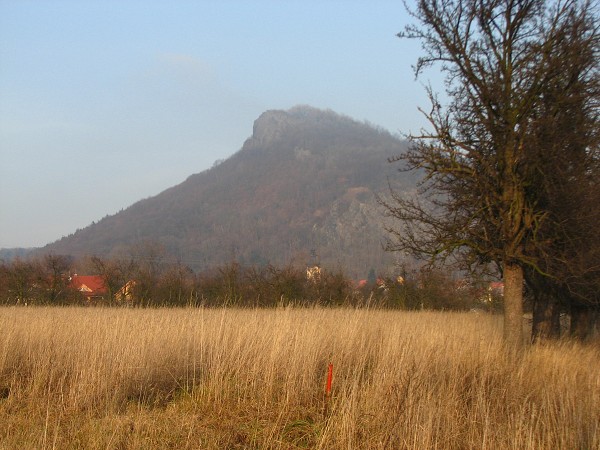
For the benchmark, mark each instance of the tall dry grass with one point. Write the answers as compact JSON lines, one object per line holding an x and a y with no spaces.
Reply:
{"x":226,"y":378}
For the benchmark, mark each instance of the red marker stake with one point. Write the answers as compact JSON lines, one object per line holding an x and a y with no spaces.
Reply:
{"x":329,"y":379}
{"x":328,"y":390}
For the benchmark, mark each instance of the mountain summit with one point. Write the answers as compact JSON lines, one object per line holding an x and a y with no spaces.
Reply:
{"x":301,"y":189}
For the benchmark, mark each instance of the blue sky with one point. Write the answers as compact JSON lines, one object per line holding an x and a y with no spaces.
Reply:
{"x":103,"y":103}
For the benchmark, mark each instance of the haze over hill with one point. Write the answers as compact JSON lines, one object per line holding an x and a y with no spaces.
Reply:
{"x":301,"y":189}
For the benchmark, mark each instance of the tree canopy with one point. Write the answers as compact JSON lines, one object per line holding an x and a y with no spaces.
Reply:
{"x":521,"y":79}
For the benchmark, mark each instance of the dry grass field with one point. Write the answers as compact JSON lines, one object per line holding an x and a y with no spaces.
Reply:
{"x":91,"y":378}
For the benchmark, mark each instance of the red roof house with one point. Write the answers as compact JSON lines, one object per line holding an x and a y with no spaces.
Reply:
{"x":497,"y":287}
{"x":90,"y":286}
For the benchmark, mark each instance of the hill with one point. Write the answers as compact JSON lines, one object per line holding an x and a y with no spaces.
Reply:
{"x":301,"y":189}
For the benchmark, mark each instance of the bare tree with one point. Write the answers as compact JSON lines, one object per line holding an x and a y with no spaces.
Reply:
{"x":564,"y":161}
{"x":23,"y":281}
{"x":150,"y":258}
{"x":115,"y":272}
{"x":55,"y":269}
{"x":477,"y":201}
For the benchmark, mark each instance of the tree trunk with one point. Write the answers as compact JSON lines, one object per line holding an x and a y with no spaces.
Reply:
{"x":546,"y":318}
{"x":513,"y":307}
{"x":581,"y":321}
{"x":555,"y":330}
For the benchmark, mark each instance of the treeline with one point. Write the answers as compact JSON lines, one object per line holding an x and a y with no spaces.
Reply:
{"x":152,"y":282}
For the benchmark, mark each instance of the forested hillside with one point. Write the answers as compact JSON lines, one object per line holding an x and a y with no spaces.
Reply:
{"x":301,"y":190}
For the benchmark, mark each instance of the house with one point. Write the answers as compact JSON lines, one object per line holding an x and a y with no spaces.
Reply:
{"x":313,"y":274}
{"x":495,"y":290}
{"x":360,"y":284}
{"x":92,"y":287}
{"x":496,"y":287}
{"x":125,"y":294}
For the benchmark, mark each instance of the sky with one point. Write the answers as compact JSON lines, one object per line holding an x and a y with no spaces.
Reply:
{"x":104,"y":103}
